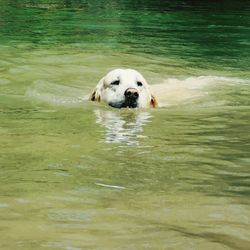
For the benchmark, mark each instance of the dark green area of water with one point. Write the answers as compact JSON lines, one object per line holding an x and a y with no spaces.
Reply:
{"x":206,"y":34}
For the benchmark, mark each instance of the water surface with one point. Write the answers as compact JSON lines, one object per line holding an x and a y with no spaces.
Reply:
{"x":81,"y":175}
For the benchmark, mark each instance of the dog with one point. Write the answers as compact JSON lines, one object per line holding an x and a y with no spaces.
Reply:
{"x":124,"y":88}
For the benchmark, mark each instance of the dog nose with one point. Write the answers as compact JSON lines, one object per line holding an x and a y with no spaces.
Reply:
{"x":131,"y":94}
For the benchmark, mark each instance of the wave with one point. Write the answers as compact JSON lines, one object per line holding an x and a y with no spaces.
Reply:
{"x":174,"y":91}
{"x":55,"y":94}
{"x":171,"y":91}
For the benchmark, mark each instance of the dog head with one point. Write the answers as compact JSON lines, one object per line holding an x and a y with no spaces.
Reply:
{"x":123,"y":88}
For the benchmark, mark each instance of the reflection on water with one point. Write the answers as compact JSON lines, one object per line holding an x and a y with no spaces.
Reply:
{"x":122,"y":127}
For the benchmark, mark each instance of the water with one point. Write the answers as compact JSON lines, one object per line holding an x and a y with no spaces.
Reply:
{"x":81,"y":175}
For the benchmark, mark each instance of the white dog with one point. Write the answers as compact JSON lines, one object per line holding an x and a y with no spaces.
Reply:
{"x":123,"y":88}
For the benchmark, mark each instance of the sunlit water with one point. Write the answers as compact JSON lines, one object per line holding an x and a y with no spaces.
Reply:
{"x":81,"y":175}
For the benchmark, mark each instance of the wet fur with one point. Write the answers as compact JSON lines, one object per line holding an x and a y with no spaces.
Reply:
{"x":128,"y":78}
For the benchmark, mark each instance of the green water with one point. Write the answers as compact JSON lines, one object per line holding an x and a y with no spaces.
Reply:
{"x":79,"y":175}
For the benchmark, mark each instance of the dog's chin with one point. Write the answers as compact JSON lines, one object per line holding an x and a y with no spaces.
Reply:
{"x":124,"y":104}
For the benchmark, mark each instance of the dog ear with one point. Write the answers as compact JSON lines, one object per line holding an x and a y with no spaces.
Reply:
{"x":153,"y":102}
{"x":96,"y":94}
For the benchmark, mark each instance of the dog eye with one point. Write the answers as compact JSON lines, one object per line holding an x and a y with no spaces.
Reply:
{"x":139,"y":84}
{"x":117,"y":82}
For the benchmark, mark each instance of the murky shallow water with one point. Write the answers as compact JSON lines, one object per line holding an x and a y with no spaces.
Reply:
{"x":80,"y":175}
